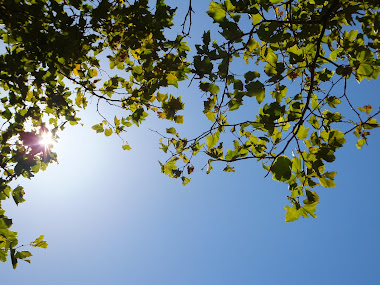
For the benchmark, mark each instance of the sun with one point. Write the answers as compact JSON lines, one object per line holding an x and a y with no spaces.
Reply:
{"x":46,"y":139}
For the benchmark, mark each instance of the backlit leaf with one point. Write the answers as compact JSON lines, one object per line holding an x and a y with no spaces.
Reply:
{"x":213,"y":139}
{"x":126,"y":147}
{"x":39,"y":242}
{"x":216,"y":11}
{"x":18,"y":194}
{"x":108,"y":132}
{"x":292,"y":214}
{"x":302,"y":132}
{"x":171,"y":131}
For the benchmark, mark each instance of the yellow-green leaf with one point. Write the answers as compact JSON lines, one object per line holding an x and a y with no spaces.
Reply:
{"x":172,"y":79}
{"x":213,"y":139}
{"x":216,"y":11}
{"x":292,"y":214}
{"x":126,"y":147}
{"x":211,"y":116}
{"x":108,"y":132}
{"x":302,"y":132}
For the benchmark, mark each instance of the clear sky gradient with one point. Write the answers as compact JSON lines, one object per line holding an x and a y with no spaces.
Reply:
{"x":111,"y":217}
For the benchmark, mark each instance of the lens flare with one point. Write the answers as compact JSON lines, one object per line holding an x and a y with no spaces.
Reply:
{"x":46,"y":139}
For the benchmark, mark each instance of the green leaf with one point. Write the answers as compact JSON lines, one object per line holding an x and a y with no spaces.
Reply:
{"x":312,"y":197}
{"x":98,"y":128}
{"x":6,"y":114}
{"x":117,"y":121}
{"x":206,"y":38}
{"x":269,"y":55}
{"x":238,"y":84}
{"x":270,"y":70}
{"x":333,"y":101}
{"x":216,"y":11}
{"x":209,"y":166}
{"x":336,"y":138}
{"x":161,"y":97}
{"x":296,"y":54}
{"x":3,"y":255}
{"x":251,"y":75}
{"x":281,"y":169}
{"x":178,"y":119}
{"x":108,"y":132}
{"x":302,"y":132}
{"x":126,"y":147}
{"x":39,"y":242}
{"x":371,"y":124}
{"x":209,"y":87}
{"x":309,"y":209}
{"x":351,"y":35}
{"x":292,"y":214}
{"x":326,"y":182}
{"x":171,"y":131}
{"x":137,"y":69}
{"x":276,"y":1}
{"x":256,"y":89}
{"x":213,"y":139}
{"x":360,"y":143}
{"x":252,"y":45}
{"x":5,"y":223}
{"x":93,"y":73}
{"x":296,"y":164}
{"x":203,"y":66}
{"x":18,"y":194}
{"x":5,"y":193}
{"x":22,"y":254}
{"x":229,"y":169}
{"x":367,"y":109}
{"x":172,"y":79}
{"x":229,"y":6}
{"x":211,"y":116}
{"x":185,"y":180}
{"x":365,"y":70}
{"x":256,"y":18}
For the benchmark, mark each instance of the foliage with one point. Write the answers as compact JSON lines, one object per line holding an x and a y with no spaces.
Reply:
{"x":51,"y":65}
{"x":58,"y":44}
{"x":313,"y":47}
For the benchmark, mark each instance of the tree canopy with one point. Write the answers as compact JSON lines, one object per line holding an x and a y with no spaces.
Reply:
{"x":287,"y":61}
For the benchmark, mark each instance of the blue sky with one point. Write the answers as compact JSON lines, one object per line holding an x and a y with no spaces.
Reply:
{"x":111,"y":217}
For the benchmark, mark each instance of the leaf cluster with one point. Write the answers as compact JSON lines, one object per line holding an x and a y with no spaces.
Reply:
{"x":52,"y":66}
{"x":315,"y":45}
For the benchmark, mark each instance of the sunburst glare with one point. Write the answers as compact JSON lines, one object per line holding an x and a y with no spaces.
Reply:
{"x":47,"y":140}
